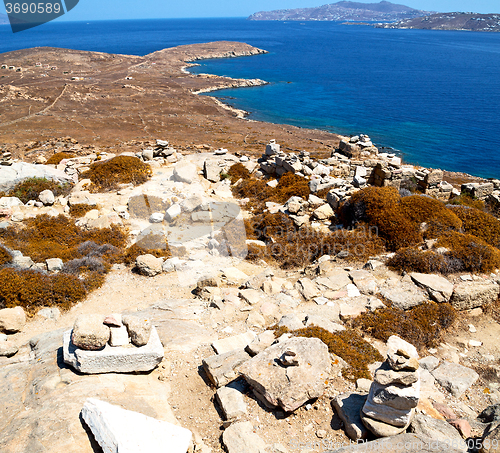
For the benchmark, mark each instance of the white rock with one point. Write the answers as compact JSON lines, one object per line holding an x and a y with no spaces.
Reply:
{"x":475,"y":343}
{"x":173,"y":212}
{"x":54,"y":264}
{"x":119,"y":430}
{"x":185,"y":172}
{"x":229,"y":344}
{"x":47,"y":197}
{"x":114,"y":359}
{"x":156,"y":217}
{"x":119,"y":336}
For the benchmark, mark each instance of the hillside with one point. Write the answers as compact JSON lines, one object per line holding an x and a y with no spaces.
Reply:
{"x":451,"y":21}
{"x":350,"y":11}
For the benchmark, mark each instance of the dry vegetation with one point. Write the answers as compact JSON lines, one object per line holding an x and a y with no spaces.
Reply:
{"x":109,"y":174}
{"x":58,"y":157}
{"x":30,"y":188}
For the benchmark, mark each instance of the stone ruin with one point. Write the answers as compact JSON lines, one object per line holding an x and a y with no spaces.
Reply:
{"x":112,"y":344}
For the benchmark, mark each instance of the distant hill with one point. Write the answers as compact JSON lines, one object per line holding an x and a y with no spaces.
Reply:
{"x":348,"y":11}
{"x":4,"y":19}
{"x":451,"y":21}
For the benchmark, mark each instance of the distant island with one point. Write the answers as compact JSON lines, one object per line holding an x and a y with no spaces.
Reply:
{"x":344,"y":10}
{"x":450,"y":21}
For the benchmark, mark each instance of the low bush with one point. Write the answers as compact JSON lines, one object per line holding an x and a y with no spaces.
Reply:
{"x":467,"y":200}
{"x":423,"y":326}
{"x":442,"y":223}
{"x":46,"y":237}
{"x":79,"y":210}
{"x":109,"y":174}
{"x":348,"y":345}
{"x":473,"y":253}
{"x":238,"y":171}
{"x":290,"y":185}
{"x":480,"y":224}
{"x":30,"y":188}
{"x":5,"y":256}
{"x":58,"y":157}
{"x":411,"y":259}
{"x":32,"y":289}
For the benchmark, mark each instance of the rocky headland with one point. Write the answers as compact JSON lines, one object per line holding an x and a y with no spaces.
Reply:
{"x":230,"y":285}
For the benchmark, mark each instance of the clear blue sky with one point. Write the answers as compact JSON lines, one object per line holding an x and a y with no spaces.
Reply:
{"x":145,"y":9}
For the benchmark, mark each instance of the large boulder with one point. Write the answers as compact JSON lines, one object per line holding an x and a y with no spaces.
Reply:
{"x":467,"y":295}
{"x":185,"y":172}
{"x":90,"y":333}
{"x":149,"y":265}
{"x":120,"y":430}
{"x":19,"y":171}
{"x":12,"y":320}
{"x":289,"y":373}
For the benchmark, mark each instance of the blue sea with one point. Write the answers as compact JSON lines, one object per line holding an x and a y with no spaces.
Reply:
{"x":432,"y":95}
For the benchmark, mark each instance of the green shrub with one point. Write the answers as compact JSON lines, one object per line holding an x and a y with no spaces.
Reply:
{"x":109,"y":174}
{"x":423,"y":326}
{"x":30,"y":188}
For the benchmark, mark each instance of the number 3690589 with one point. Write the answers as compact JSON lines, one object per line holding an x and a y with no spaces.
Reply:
{"x":33,"y":8}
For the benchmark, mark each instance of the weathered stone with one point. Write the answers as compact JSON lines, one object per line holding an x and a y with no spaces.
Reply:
{"x":185,"y":172}
{"x":113,"y":359}
{"x":211,"y":170}
{"x":278,"y":384}
{"x":389,"y":376}
{"x":491,"y":441}
{"x":173,"y":212}
{"x":231,"y":402}
{"x":333,"y":278}
{"x":320,"y":321}
{"x":156,"y":217}
{"x":22,"y":262}
{"x":323,"y":212}
{"x":401,"y":355}
{"x":90,"y":333}
{"x":348,"y":407}
{"x":8,"y":349}
{"x":454,"y":377}
{"x":383,"y":429}
{"x":81,"y":197}
{"x":149,"y":265}
{"x":429,"y":363}
{"x":261,"y":342}
{"x":291,"y":322}
{"x":395,"y":396}
{"x":235,"y":342}
{"x":402,"y":443}
{"x":403,"y":296}
{"x":139,"y":329}
{"x":118,"y":336}
{"x":307,"y":288}
{"x":54,"y":264}
{"x":251,"y":296}
{"x":119,"y":430}
{"x":224,"y":368}
{"x":439,"y":430}
{"x":12,"y":320}
{"x":47,"y":197}
{"x":467,"y":295}
{"x":439,"y":288}
{"x":240,"y":438}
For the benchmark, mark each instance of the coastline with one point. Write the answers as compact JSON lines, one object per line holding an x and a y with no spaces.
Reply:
{"x":199,"y":115}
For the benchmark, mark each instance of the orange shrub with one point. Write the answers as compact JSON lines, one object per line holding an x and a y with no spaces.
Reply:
{"x":479,"y":224}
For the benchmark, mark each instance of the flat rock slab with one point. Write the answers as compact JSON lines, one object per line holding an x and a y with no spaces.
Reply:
{"x":240,"y":341}
{"x":439,"y":288}
{"x":402,"y":443}
{"x":469,"y":295}
{"x":440,"y":430}
{"x":114,"y":359}
{"x":348,"y":406}
{"x":223,"y":368}
{"x":404,"y":296}
{"x":119,"y":430}
{"x":231,"y":402}
{"x":240,"y":438}
{"x":289,"y":386}
{"x":454,"y":377}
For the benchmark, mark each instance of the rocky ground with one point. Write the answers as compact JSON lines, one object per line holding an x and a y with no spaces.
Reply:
{"x":43,"y":396}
